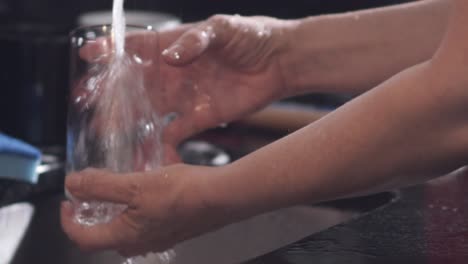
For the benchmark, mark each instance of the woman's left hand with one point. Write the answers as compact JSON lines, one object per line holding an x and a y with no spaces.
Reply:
{"x":162,"y":209}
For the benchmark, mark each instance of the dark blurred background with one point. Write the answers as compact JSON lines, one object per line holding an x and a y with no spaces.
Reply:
{"x":64,"y":12}
{"x":34,"y":51}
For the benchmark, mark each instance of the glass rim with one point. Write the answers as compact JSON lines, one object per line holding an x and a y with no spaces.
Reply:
{"x":80,"y":29}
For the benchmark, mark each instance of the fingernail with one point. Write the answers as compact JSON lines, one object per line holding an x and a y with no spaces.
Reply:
{"x":100,"y":50}
{"x":174,"y":52}
{"x":72,"y":181}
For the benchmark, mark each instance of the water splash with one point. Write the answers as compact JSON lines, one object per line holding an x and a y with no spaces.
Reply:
{"x":153,"y":258}
{"x":96,"y":213}
{"x":118,"y":131}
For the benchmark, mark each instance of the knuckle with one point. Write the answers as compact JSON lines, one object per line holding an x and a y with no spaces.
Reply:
{"x":134,"y":193}
{"x":193,"y":36}
{"x":222,"y":28}
{"x":133,"y":232}
{"x":219,"y":22}
{"x":86,"y":181}
{"x":219,"y":19}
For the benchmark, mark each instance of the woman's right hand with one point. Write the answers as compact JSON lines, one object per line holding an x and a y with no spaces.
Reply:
{"x":212,"y":72}
{"x":220,"y":70}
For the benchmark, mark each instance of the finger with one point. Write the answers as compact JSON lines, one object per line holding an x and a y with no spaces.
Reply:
{"x":186,"y":49}
{"x":98,"y":51}
{"x":191,"y":45}
{"x":167,"y":36}
{"x":100,"y":185}
{"x":188,"y":125}
{"x":178,"y":130}
{"x":100,"y":237}
{"x":216,"y":32}
{"x":101,"y":49}
{"x":170,"y":155}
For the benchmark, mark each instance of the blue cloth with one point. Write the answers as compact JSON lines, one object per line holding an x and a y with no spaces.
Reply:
{"x":18,"y":160}
{"x":9,"y":145}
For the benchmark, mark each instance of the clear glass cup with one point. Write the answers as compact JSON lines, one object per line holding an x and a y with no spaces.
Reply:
{"x":112,"y":122}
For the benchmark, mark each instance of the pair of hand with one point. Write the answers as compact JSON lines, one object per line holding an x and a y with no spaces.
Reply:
{"x":213,"y":72}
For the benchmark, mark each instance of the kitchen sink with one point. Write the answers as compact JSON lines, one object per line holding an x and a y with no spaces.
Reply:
{"x":45,"y":242}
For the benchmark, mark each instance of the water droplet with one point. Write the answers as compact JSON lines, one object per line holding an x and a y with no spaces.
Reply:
{"x":223,"y":125}
{"x":221,"y":160}
{"x":92,"y":83}
{"x":444,"y":208}
{"x":201,"y":107}
{"x":90,"y":35}
{"x":137,"y":59}
{"x":176,"y":55}
{"x":169,"y":118}
{"x":204,"y":34}
{"x":209,"y":32}
{"x":80,"y":41}
{"x":78,"y":100}
{"x":86,"y":206}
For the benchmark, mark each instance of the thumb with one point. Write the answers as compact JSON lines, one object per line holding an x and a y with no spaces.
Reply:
{"x":100,"y":185}
{"x":99,"y":237}
{"x":194,"y":42}
{"x":188,"y":47}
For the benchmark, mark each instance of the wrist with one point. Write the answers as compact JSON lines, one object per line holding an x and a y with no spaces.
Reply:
{"x":228,"y":195}
{"x":302,"y":58}
{"x":211,"y":194}
{"x":285,"y":49}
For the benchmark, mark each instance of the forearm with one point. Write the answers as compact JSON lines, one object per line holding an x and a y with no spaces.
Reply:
{"x":353,"y":52}
{"x":387,"y":138}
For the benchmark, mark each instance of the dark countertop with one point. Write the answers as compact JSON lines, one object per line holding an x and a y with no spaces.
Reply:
{"x":427,"y":223}
{"x":424,"y":224}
